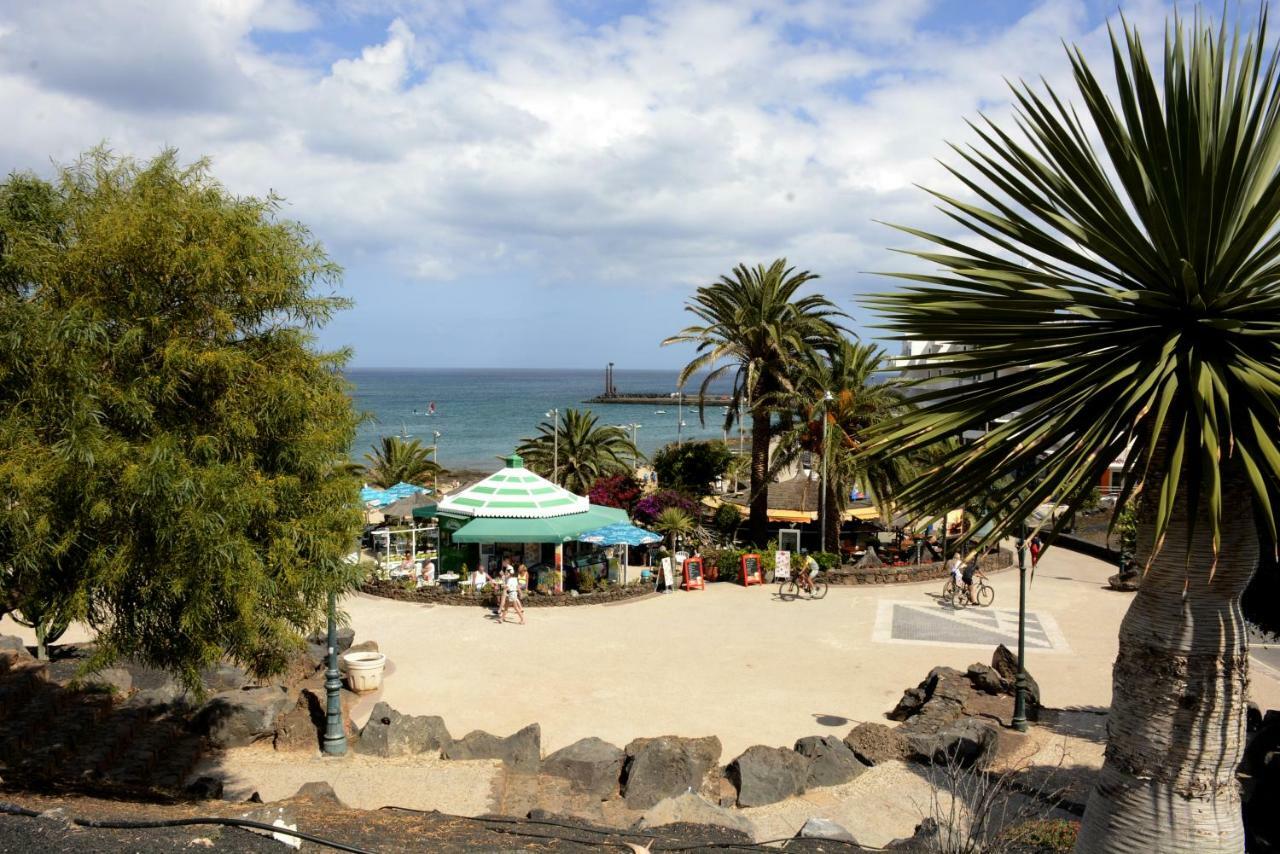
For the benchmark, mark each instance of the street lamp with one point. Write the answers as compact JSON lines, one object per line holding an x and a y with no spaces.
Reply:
{"x":679,"y":418}
{"x":1020,"y":682}
{"x":555,"y":444}
{"x":435,"y":455}
{"x":633,"y":427}
{"x":822,"y":498}
{"x":335,"y":737}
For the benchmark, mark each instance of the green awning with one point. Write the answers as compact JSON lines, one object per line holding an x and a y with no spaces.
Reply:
{"x":557,"y":529}
{"x":426,"y":511}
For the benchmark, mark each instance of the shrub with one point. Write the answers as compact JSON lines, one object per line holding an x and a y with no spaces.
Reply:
{"x":1044,"y":834}
{"x":619,"y":490}
{"x":727,"y":520}
{"x":649,"y":508}
{"x":827,"y":560}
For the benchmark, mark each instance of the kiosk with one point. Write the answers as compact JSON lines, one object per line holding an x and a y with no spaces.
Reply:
{"x":693,"y":574}
{"x":752,"y":570}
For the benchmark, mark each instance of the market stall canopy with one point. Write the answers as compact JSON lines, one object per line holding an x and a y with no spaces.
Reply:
{"x":514,"y":493}
{"x":620,"y":534}
{"x":555,"y":529}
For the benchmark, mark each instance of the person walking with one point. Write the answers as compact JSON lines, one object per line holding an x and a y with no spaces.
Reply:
{"x":511,"y":597}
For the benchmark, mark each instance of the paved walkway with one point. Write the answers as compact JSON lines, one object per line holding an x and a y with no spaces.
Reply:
{"x":738,"y":663}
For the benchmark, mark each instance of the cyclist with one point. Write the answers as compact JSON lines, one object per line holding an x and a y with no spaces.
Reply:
{"x":804,"y":578}
{"x":967,"y":576}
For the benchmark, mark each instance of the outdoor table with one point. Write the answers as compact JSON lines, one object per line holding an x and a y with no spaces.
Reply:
{"x":449,"y":580}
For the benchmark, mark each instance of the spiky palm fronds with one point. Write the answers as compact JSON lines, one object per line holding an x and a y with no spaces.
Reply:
{"x":1113,"y":299}
{"x":394,"y":460}
{"x":587,"y":451}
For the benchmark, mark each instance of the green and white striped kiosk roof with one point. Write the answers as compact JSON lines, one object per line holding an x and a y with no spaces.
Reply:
{"x":513,"y":493}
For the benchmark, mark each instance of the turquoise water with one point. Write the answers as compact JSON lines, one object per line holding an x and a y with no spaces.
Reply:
{"x":482,"y":414}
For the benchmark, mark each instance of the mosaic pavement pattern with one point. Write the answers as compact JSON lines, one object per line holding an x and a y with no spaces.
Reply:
{"x":934,"y":623}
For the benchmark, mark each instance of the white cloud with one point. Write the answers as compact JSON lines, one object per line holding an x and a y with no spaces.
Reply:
{"x":660,"y":149}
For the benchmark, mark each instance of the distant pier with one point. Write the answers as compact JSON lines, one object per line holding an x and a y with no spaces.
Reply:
{"x":663,"y":399}
{"x":611,"y":395}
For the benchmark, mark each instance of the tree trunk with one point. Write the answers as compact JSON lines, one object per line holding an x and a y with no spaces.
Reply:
{"x":1179,"y":686}
{"x":832,"y":508}
{"x":757,"y":526}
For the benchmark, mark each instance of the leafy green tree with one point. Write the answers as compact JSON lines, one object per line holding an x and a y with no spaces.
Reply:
{"x":394,"y":460}
{"x":169,"y":436}
{"x":585,"y":452}
{"x":1126,"y":297}
{"x":674,"y":522}
{"x":860,"y":402}
{"x":756,"y":326}
{"x":692,"y":467}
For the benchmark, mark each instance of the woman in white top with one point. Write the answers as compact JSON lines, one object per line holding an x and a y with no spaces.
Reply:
{"x":511,"y":586}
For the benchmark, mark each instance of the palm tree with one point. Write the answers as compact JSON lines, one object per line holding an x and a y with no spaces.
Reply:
{"x":395,"y":460}
{"x":755,"y":325}
{"x":673,"y":522}
{"x":1126,"y":298}
{"x":859,"y":403}
{"x":587,"y":451}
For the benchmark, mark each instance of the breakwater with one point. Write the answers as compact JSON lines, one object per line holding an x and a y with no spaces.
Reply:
{"x":660,"y":399}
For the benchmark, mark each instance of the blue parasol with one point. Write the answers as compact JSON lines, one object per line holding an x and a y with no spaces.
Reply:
{"x":620,"y":534}
{"x":382,"y":497}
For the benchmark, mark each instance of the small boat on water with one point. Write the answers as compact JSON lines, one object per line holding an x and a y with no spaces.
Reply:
{"x":659,"y":412}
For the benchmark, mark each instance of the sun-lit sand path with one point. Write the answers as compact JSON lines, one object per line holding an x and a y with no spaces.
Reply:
{"x":734,"y":662}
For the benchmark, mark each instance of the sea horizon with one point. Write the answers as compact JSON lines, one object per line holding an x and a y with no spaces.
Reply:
{"x":482,"y":414}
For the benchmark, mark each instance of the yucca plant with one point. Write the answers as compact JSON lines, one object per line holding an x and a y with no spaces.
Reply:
{"x":675,"y":523}
{"x":1119,"y":291}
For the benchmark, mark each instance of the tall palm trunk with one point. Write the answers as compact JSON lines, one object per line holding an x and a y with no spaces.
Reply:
{"x":831,"y":509}
{"x":757,"y":525}
{"x":1179,"y":686}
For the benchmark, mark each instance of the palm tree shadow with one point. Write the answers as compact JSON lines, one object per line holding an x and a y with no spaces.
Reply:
{"x":1086,"y":722}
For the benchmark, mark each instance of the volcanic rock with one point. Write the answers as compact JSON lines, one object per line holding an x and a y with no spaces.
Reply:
{"x":665,"y":767}
{"x":766,"y":775}
{"x":831,"y":762}
{"x":591,"y":765}
{"x":520,"y":752}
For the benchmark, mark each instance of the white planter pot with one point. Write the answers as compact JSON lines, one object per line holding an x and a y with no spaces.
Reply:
{"x":364,"y":670}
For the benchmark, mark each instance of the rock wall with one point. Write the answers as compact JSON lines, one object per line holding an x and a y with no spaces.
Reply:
{"x":438,"y":596}
{"x":1000,"y":560}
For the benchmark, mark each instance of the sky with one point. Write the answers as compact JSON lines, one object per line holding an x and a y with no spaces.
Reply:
{"x":544,"y":184}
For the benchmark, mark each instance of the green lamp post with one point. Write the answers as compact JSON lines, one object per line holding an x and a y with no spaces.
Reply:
{"x":1020,"y":682}
{"x":335,"y":736}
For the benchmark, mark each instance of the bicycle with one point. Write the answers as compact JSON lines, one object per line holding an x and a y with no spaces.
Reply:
{"x":789,"y":589}
{"x":955,"y":593}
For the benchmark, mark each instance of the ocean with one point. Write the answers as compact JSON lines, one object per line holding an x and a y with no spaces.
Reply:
{"x":482,"y":414}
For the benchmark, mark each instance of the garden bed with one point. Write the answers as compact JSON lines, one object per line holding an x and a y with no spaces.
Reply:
{"x":439,"y":596}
